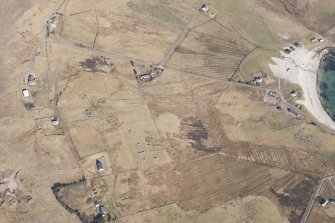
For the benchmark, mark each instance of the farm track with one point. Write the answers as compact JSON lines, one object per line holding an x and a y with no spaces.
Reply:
{"x":268,"y":7}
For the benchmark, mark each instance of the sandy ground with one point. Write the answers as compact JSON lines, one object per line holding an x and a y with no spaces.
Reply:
{"x":301,"y":67}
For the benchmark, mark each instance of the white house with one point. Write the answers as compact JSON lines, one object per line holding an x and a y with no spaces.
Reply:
{"x":204,"y":8}
{"x":25,"y":93}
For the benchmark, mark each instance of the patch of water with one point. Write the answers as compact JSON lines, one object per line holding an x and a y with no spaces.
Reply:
{"x":326,"y":83}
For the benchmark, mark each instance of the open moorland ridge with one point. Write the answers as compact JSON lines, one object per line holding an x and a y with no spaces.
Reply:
{"x":156,"y":111}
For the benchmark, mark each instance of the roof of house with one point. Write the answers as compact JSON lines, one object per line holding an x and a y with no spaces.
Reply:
{"x":294,"y":93}
{"x":204,"y":8}
{"x":294,"y":113}
{"x":99,"y":165}
{"x":25,"y":93}
{"x":102,"y":209}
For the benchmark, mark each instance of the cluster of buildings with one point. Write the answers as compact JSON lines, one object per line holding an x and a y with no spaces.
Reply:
{"x":52,"y":24}
{"x":259,"y":79}
{"x":54,"y":120}
{"x":314,"y":40}
{"x":152,"y":74}
{"x":324,"y":202}
{"x":102,"y":211}
{"x":31,"y":80}
{"x":149,"y":76}
{"x":292,"y":47}
{"x":101,"y":208}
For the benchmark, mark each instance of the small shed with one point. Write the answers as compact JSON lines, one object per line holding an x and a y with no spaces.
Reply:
{"x":294,"y":93}
{"x":95,"y":192}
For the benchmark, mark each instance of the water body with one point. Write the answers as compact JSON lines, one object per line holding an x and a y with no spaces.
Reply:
{"x":326,"y":83}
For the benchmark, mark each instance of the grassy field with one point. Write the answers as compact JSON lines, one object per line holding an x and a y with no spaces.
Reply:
{"x":255,"y":62}
{"x":187,"y":146}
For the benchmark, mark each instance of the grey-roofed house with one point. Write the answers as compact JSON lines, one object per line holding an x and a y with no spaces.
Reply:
{"x":99,"y":165}
{"x":293,"y":112}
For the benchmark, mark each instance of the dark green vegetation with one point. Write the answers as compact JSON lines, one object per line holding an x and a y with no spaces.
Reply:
{"x":56,"y":188}
{"x":326,"y":83}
